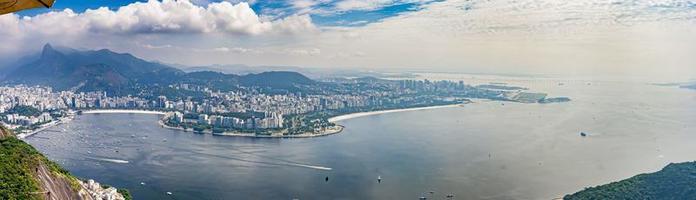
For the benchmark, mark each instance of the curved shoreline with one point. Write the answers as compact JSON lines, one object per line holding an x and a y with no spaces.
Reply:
{"x":123,"y":111}
{"x":43,"y":128}
{"x":334,"y":130}
{"x":339,"y":128}
{"x":365,"y":114}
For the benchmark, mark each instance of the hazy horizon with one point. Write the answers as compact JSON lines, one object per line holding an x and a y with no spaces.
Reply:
{"x":366,"y":71}
{"x":347,"y":99}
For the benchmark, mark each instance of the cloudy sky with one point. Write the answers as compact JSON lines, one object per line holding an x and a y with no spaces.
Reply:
{"x":582,"y":37}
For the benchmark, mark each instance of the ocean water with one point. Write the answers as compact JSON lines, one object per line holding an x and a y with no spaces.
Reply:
{"x":484,"y":150}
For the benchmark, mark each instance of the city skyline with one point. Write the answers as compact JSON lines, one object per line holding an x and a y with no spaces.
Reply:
{"x":583,"y":38}
{"x":347,"y":99}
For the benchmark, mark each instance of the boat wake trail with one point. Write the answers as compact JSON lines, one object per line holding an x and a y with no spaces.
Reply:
{"x":313,"y":167}
{"x":279,"y":162}
{"x":110,"y":160}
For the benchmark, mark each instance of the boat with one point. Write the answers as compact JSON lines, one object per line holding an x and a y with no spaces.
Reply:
{"x":583,"y":134}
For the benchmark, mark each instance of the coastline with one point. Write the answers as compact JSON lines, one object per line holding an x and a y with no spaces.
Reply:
{"x":364,"y":114}
{"x":329,"y":131}
{"x":44,"y":127}
{"x":70,"y":117}
{"x":118,"y":111}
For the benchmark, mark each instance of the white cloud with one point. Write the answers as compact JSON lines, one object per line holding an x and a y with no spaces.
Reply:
{"x":347,"y":5}
{"x":303,"y":4}
{"x":150,"y":46}
{"x":502,"y":36}
{"x":368,"y":5}
{"x":513,"y":36}
{"x":303,"y":52}
{"x":167,"y":16}
{"x":237,"y":50}
{"x":295,"y":24}
{"x":238,"y":18}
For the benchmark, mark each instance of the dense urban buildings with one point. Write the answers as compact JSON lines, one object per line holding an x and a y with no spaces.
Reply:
{"x":251,"y":110}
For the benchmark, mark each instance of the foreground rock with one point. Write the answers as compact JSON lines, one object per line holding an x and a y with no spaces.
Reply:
{"x":27,"y":174}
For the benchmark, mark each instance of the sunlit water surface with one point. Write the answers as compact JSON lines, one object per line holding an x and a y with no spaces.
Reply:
{"x":484,"y":150}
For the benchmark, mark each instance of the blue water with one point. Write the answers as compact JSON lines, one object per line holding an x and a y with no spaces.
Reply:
{"x":484,"y":150}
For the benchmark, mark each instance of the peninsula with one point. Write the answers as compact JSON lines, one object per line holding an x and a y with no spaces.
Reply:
{"x":268,"y":104}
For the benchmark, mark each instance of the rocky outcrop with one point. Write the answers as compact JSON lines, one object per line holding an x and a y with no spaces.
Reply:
{"x":27,"y":174}
{"x":4,"y":133}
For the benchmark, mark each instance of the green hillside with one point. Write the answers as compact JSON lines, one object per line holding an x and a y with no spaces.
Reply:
{"x":675,"y":181}
{"x":16,"y":178}
{"x":25,"y":174}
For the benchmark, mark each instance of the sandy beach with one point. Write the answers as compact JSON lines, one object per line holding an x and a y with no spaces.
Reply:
{"x":44,"y":127}
{"x":115,"y":111}
{"x":329,"y":131}
{"x":67,"y":119}
{"x":363,"y":114}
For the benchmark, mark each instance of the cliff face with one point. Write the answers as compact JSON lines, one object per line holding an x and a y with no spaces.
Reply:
{"x":4,"y":133}
{"x":27,"y":174}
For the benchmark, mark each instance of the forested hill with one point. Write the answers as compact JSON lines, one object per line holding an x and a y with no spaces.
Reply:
{"x":27,"y":175}
{"x":675,"y":181}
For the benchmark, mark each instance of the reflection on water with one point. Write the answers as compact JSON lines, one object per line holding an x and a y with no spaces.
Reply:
{"x":485,"y":150}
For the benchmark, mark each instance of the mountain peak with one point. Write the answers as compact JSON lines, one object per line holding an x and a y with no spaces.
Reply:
{"x":49,"y":51}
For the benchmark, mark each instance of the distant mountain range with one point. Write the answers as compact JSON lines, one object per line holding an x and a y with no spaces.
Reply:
{"x":105,"y":70}
{"x":314,"y":73}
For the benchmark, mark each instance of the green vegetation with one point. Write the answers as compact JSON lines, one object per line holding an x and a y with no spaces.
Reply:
{"x":18,"y":164}
{"x":555,"y":100}
{"x":675,"y":181}
{"x":24,"y":111}
{"x":126,"y":194}
{"x":17,"y":159}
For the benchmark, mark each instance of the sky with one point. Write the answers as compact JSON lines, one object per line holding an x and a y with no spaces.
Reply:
{"x":633,"y":38}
